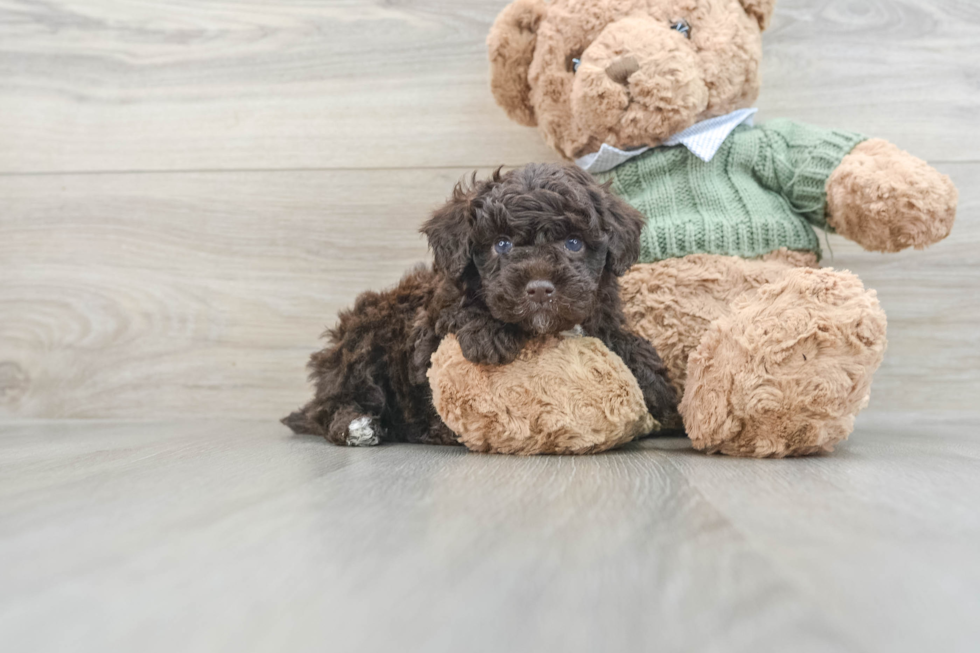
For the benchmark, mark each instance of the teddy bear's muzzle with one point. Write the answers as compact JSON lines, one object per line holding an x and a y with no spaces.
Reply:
{"x":638,"y":83}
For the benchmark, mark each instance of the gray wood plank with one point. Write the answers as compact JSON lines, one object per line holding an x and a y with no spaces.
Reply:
{"x":161,"y":85}
{"x":155,"y":295}
{"x":166,"y":85}
{"x":881,"y":67}
{"x":203,"y":294}
{"x":234,"y":535}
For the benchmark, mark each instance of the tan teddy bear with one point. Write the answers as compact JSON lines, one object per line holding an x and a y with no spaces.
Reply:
{"x":773,"y":355}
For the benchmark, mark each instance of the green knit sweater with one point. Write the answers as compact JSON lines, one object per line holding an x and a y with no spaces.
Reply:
{"x":764,"y":189}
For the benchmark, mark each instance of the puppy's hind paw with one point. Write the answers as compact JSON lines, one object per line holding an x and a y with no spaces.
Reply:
{"x":363,"y":432}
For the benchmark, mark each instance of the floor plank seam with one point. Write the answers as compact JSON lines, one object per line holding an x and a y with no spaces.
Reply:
{"x":205,"y":171}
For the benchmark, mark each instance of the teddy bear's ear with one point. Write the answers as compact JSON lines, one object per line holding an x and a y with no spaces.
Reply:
{"x":511,"y":43}
{"x":761,"y":10}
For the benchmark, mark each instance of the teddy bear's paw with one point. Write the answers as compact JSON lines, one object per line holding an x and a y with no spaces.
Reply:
{"x":787,"y":372}
{"x":887,"y":200}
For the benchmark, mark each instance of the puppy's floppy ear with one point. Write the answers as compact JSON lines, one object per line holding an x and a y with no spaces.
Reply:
{"x":621,"y":223}
{"x":449,"y":231}
{"x":511,"y":43}
{"x":761,"y":10}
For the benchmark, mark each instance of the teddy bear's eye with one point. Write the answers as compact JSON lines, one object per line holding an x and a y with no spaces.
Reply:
{"x":683,"y":27}
{"x":575,"y":64}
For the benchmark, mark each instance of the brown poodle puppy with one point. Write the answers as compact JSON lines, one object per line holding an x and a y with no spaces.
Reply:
{"x":532,"y":252}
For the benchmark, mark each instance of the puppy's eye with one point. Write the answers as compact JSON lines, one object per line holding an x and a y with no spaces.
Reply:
{"x":574,"y":245}
{"x":503,"y":245}
{"x":575,"y":64}
{"x":683,"y":27}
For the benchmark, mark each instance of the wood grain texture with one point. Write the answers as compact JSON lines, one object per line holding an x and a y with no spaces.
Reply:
{"x":273,"y":160}
{"x":234,"y":536}
{"x":189,"y":191}
{"x":155,"y":295}
{"x":240,"y":84}
{"x":191,"y":294}
{"x":244,"y":84}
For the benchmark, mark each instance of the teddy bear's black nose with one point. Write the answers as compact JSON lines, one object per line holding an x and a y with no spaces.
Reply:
{"x":620,"y":70}
{"x":540,"y":291}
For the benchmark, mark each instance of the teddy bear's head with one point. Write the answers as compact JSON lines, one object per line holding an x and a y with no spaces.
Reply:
{"x":628,"y":73}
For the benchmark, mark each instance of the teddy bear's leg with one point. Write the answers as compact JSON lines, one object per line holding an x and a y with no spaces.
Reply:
{"x":788,"y":369}
{"x":672,"y":303}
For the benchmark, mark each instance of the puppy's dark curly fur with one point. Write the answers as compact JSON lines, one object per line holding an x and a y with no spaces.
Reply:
{"x":548,"y":224}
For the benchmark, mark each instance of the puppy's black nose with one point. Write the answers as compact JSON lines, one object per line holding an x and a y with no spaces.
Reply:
{"x":540,"y":291}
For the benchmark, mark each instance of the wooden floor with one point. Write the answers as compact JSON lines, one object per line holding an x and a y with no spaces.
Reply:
{"x":234,"y":536}
{"x":189,"y":192}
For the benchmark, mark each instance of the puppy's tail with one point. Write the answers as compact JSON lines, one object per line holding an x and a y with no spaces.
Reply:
{"x":300,"y":423}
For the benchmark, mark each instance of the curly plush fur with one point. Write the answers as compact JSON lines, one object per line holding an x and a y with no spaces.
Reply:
{"x":772,"y":357}
{"x":563,"y":395}
{"x":788,"y":369}
{"x":563,"y":233}
{"x":674,"y":302}
{"x":639,"y":81}
{"x":887,"y":200}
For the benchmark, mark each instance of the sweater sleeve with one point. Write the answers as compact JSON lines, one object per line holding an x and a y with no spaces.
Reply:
{"x":796,"y":160}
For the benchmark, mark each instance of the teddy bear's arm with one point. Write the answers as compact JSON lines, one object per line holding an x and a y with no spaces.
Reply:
{"x":887,"y":200}
{"x":795,"y":160}
{"x":866,"y":190}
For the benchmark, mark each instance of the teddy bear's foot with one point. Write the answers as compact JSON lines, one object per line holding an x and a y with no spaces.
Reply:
{"x":561,"y":396}
{"x":788,"y":370}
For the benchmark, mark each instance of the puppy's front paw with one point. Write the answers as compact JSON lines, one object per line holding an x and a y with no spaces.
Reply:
{"x":661,"y":401}
{"x":491,"y":345}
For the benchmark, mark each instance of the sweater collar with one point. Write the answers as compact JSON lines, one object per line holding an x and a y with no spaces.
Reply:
{"x":703,"y":139}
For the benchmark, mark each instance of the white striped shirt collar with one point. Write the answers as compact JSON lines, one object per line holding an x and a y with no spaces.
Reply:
{"x":703,"y":139}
